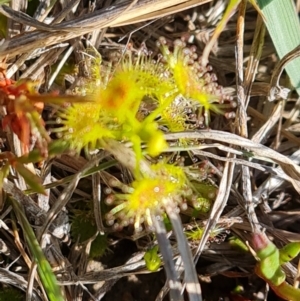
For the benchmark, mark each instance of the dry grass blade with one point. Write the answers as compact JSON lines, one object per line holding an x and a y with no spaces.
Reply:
{"x":265,"y":130}
{"x":16,"y":280}
{"x":31,"y":208}
{"x":243,"y":100}
{"x":218,"y":206}
{"x":190,"y":277}
{"x":173,"y":280}
{"x":55,"y":34}
{"x":283,"y":132}
{"x":97,"y":202}
{"x":66,"y":195}
{"x":273,"y":182}
{"x":276,"y":91}
{"x":259,"y":151}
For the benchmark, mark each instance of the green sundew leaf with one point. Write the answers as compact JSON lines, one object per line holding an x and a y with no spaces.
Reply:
{"x":83,"y":227}
{"x":167,"y":222}
{"x":58,"y":147}
{"x":282,"y":22}
{"x":206,"y":194}
{"x":206,"y":190}
{"x":194,"y":234}
{"x":44,"y":269}
{"x":289,"y":252}
{"x":31,"y":179}
{"x":238,"y":243}
{"x":99,"y":246}
{"x":202,"y":205}
{"x":152,"y":259}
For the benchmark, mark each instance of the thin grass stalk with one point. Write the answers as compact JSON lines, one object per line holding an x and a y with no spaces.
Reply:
{"x":190,"y":276}
{"x":173,"y":280}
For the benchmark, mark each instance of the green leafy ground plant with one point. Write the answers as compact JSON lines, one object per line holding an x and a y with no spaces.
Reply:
{"x":152,"y":259}
{"x":269,"y":266}
{"x":137,"y":98}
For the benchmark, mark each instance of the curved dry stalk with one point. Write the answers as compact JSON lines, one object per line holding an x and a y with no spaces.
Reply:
{"x":218,"y":207}
{"x":276,"y":91}
{"x":258,"y":151}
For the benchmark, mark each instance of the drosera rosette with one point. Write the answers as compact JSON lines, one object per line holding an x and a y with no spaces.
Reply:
{"x":120,"y":94}
{"x":217,"y":234}
{"x":138,"y":98}
{"x":148,"y":196}
{"x":203,"y":190}
{"x":196,"y":84}
{"x":204,"y":194}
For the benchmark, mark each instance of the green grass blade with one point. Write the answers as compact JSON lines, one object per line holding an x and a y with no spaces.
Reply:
{"x":44,"y":269}
{"x":282,"y":22}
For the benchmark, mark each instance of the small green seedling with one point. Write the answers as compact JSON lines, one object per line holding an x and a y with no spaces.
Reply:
{"x":152,"y":259}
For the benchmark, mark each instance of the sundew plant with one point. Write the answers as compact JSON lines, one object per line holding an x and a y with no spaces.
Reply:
{"x":138,"y":98}
{"x":135,"y":99}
